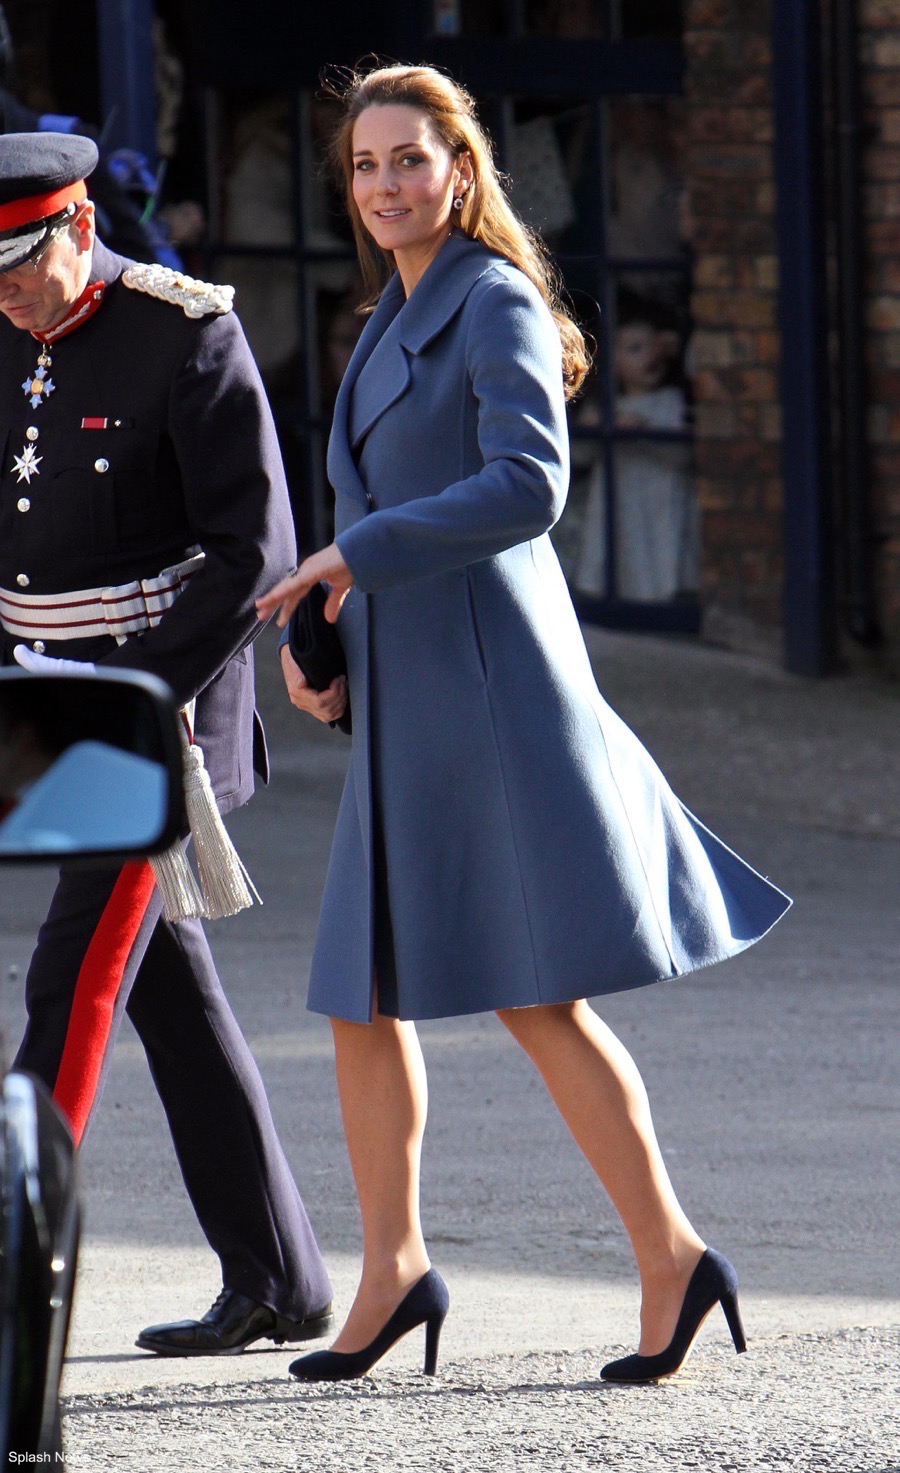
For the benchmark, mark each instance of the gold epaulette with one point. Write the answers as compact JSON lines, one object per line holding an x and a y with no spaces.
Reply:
{"x":197,"y":298}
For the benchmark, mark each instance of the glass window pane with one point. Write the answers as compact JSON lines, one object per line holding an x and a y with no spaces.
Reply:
{"x":469,"y":17}
{"x":645,"y":177}
{"x":579,"y":20}
{"x":630,"y":531}
{"x":656,"y":19}
{"x":258,"y":212}
{"x":575,"y":19}
{"x":633,"y":477}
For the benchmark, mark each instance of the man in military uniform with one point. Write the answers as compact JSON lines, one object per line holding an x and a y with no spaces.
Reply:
{"x":142,"y":509}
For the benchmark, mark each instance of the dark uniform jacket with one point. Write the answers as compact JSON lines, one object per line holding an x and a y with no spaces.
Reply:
{"x":189,"y":459}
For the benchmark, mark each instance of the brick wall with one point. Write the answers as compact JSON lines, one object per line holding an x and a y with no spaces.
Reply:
{"x":880,"y":83}
{"x":729,"y":170}
{"x":735,"y":347}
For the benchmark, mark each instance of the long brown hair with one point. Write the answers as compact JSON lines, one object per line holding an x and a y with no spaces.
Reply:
{"x":486,"y":214}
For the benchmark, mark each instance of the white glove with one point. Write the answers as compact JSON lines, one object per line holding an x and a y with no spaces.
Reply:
{"x":49,"y":665}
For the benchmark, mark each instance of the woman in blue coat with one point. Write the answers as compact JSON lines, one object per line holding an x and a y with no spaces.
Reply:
{"x":504,"y":841}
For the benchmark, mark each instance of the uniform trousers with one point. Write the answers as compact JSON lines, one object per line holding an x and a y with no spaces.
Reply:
{"x":106,"y":948}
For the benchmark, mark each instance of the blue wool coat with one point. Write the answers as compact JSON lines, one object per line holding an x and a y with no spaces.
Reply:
{"x":503,"y":838}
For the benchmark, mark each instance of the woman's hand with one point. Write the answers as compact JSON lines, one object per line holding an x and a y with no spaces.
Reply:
{"x":326,"y":566}
{"x":325,"y":705}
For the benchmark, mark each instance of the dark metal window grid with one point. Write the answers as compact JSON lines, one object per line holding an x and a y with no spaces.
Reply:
{"x":615,"y":68}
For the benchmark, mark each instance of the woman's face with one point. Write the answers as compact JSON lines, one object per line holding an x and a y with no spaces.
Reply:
{"x":405,"y":180}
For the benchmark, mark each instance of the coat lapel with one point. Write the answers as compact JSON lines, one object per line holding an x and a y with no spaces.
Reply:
{"x":442,"y":291}
{"x":342,"y":471}
{"x":380,"y":382}
{"x":397,"y":329}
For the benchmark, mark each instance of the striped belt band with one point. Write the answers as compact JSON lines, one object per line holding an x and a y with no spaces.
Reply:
{"x":87,"y":612}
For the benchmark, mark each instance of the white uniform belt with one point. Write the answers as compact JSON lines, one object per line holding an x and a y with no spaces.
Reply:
{"x":84,"y":613}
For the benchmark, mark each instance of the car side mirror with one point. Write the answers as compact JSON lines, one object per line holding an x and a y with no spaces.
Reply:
{"x":90,"y":766}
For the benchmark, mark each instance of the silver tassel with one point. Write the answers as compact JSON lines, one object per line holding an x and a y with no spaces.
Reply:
{"x":224,"y":882}
{"x":224,"y":885}
{"x":175,"y":881}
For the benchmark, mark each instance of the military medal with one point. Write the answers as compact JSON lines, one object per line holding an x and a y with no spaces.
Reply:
{"x":27,"y":463}
{"x":39,"y":386}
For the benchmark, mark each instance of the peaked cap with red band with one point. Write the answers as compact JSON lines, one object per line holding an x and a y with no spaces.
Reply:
{"x":41,"y":183}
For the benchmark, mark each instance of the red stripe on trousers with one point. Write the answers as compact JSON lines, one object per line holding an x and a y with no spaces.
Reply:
{"x":99,"y":979}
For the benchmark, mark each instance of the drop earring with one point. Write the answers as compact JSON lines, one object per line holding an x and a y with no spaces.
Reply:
{"x":458,"y":202}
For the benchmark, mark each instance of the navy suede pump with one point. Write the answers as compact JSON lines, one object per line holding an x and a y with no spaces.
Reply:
{"x":713,"y":1282}
{"x":426,"y":1304}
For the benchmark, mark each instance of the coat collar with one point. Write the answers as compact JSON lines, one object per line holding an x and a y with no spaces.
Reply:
{"x":443,"y":289}
{"x":400,"y":326}
{"x":105,"y":264}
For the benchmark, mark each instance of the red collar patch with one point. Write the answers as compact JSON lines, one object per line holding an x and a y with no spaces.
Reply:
{"x":85,"y":307}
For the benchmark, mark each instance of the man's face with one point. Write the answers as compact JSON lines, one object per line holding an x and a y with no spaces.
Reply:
{"x":37,"y":299}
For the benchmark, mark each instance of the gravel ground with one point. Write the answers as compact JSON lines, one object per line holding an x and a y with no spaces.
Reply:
{"x":807,"y":1403}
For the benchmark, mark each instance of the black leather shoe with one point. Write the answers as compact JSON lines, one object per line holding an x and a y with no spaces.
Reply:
{"x":233,"y":1322}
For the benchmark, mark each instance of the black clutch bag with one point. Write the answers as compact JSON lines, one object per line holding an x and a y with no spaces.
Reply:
{"x":316,"y":647}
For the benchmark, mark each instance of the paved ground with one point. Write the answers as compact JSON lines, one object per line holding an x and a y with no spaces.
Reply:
{"x":773,"y":1079}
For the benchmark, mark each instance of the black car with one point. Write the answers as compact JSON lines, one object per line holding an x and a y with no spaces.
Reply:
{"x":90,"y":768}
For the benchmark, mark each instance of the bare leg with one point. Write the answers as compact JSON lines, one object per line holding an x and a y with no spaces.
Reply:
{"x":597,"y":1089}
{"x":384,"y":1100}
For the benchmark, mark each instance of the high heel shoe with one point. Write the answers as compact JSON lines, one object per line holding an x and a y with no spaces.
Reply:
{"x":713,"y":1282}
{"x":426,"y":1304}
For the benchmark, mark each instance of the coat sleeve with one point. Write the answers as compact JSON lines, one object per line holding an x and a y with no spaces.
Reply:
{"x":237,"y":505}
{"x":513,"y":361}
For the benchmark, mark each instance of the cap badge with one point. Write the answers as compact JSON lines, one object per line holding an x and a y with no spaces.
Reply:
{"x":39,"y":385}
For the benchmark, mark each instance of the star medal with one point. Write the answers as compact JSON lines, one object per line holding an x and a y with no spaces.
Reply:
{"x":39,"y":386}
{"x":27,"y":463}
